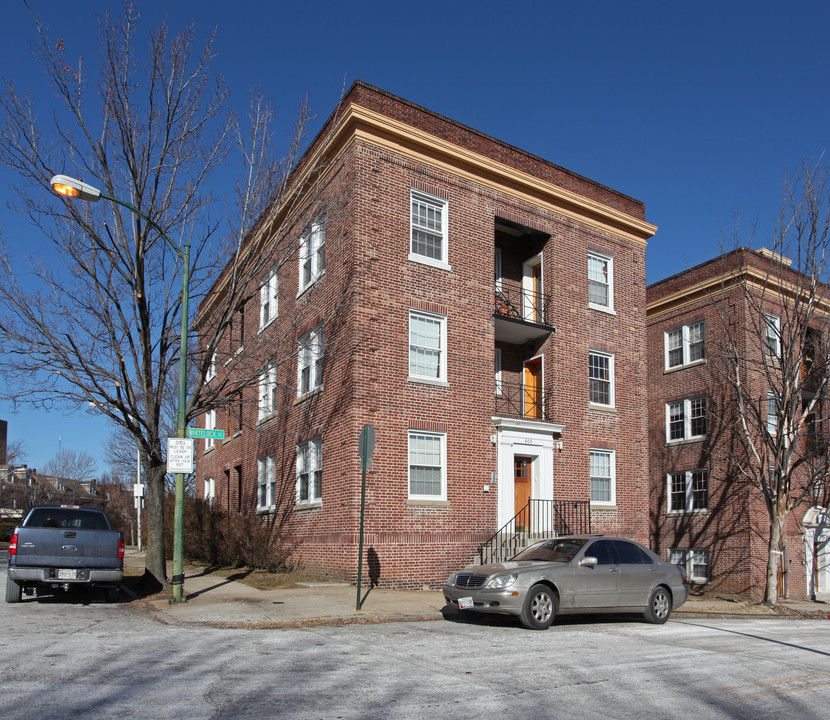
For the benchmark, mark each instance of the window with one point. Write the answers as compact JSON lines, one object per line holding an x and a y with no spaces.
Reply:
{"x":603,"y":477}
{"x":210,"y":490}
{"x":427,"y":343}
{"x":686,"y":419}
{"x":772,"y":335}
{"x":427,"y":465}
{"x":601,"y":378}
{"x":310,"y":361}
{"x":695,"y":561}
{"x":312,"y":254}
{"x":211,"y":370}
{"x":266,"y":483}
{"x":210,"y":424}
{"x":688,"y":491}
{"x":772,"y":414}
{"x":497,"y":361}
{"x":600,"y":282}
{"x":428,"y":230}
{"x":685,"y":345}
{"x":310,"y":472}
{"x":268,"y":392}
{"x":268,"y":299}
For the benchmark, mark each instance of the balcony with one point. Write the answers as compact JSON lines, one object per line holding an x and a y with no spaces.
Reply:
{"x":523,"y":402}
{"x":520,"y":314}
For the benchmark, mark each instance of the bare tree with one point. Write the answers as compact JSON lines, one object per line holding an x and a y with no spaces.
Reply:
{"x":70,"y":465}
{"x":16,"y":450}
{"x":102,"y":330}
{"x":772,"y":346}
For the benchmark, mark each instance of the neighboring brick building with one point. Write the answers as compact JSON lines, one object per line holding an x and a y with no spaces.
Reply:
{"x":482,"y":309}
{"x":704,"y":513}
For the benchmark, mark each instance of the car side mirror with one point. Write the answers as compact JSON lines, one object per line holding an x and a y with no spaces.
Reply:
{"x":589,"y":561}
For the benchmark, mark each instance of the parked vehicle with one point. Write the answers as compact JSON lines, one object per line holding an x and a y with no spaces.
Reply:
{"x":571,"y":575}
{"x":64,"y":546}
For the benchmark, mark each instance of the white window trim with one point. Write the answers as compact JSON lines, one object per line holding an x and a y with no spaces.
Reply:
{"x":611,"y":379}
{"x":442,"y":436}
{"x":772,"y":322}
{"x":301,"y":469}
{"x":310,"y":352}
{"x":267,"y":477}
{"x":442,"y":360}
{"x":211,"y":370}
{"x":210,"y":490}
{"x":613,"y":466}
{"x":443,"y":262}
{"x":690,"y":508}
{"x":687,"y":557}
{"x":267,"y":392}
{"x":610,"y":261}
{"x":313,"y":244}
{"x":685,"y":345}
{"x":210,"y":424}
{"x":269,"y":298}
{"x":687,"y":420}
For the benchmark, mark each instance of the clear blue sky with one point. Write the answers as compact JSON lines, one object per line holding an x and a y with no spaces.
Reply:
{"x":699,"y":109}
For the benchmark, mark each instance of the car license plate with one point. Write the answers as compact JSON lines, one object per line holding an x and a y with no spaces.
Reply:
{"x":465,"y":603}
{"x":70,"y":574}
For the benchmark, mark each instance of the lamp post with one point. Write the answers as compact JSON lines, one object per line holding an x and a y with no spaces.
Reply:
{"x":73,"y":188}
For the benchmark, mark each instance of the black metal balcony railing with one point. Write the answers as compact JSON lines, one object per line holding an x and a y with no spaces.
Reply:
{"x":539,"y":519}
{"x":525,"y":402}
{"x":515,"y":302}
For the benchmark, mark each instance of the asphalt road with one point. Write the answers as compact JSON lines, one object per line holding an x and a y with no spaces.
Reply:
{"x":83,"y":658}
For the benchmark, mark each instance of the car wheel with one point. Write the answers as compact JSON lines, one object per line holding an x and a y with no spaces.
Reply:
{"x":13,"y":591}
{"x":539,"y":608}
{"x":659,"y":606}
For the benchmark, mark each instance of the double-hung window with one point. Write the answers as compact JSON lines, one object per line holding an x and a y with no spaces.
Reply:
{"x":268,"y":299}
{"x":772,"y":335}
{"x":210,"y":373}
{"x":772,"y":414}
{"x":312,"y":253}
{"x":685,"y":345}
{"x":210,"y":424}
{"x":268,"y":392}
{"x":686,"y":419}
{"x":695,"y":561}
{"x":428,"y":230}
{"x":688,"y":491}
{"x":266,"y":483}
{"x":427,"y":346}
{"x":210,"y":490}
{"x":310,"y":361}
{"x":310,"y":472}
{"x":603,"y":475}
{"x":427,"y":465}
{"x":601,"y":378}
{"x":600,"y":282}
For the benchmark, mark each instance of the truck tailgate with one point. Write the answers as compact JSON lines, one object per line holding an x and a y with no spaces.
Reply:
{"x":58,"y":547}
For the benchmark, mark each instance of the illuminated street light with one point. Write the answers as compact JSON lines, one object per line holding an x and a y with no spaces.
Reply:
{"x":74,"y":188}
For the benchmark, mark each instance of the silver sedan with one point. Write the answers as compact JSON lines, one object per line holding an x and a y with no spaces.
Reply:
{"x":571,"y":575}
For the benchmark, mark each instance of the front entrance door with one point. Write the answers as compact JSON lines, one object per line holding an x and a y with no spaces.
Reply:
{"x":533,"y":389}
{"x":521,"y":492}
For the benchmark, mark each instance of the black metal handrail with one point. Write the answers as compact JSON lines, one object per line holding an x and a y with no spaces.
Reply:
{"x":537,"y":520}
{"x":519,"y":303}
{"x":517,"y":400}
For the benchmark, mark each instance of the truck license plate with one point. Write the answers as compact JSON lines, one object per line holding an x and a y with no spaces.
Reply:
{"x":465,"y":603}
{"x":70,"y":574}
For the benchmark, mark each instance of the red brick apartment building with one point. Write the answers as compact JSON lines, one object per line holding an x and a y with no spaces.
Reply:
{"x":483,"y":309}
{"x":703,"y":512}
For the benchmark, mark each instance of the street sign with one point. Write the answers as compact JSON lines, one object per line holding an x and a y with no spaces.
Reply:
{"x":205,"y":433}
{"x":180,"y":455}
{"x":367,"y":442}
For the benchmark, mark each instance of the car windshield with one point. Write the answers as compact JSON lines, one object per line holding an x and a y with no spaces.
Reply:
{"x":557,"y":550}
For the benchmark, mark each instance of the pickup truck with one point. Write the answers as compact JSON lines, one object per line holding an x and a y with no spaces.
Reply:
{"x":64,"y":546}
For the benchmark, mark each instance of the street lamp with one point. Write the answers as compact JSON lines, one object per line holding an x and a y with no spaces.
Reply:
{"x":73,"y":188}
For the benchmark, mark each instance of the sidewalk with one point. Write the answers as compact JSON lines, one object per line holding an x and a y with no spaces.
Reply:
{"x":223,"y":602}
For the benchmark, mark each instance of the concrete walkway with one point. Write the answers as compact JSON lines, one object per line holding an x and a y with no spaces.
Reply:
{"x":224,"y":602}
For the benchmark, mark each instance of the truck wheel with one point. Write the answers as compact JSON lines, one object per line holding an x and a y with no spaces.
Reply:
{"x":13,"y":591}
{"x":113,"y":594}
{"x":539,"y":608}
